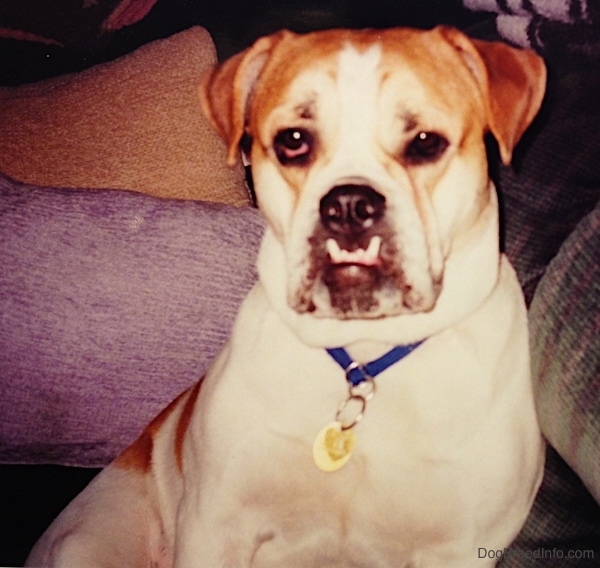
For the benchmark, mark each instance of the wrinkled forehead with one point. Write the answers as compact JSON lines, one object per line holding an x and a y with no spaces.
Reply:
{"x":406,"y":80}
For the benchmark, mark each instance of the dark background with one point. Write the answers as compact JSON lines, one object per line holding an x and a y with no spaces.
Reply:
{"x":233,"y":23}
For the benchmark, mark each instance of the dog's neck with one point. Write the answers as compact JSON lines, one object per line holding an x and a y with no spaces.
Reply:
{"x":474,"y":265}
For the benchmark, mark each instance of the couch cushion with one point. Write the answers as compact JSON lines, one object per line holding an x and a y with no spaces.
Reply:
{"x":111,"y":303}
{"x":134,"y":123}
{"x":565,"y":338}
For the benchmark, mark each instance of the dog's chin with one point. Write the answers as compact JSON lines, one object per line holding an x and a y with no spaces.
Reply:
{"x":352,"y":290}
{"x":355,"y":291}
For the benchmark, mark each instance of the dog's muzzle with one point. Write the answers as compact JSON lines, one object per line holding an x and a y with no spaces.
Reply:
{"x":351,"y":252}
{"x":366,"y":258}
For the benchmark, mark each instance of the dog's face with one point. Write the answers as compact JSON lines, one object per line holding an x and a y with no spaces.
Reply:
{"x":360,"y":169}
{"x":368,"y":156}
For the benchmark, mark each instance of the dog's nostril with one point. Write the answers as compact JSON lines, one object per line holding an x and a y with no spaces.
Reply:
{"x":351,"y":209}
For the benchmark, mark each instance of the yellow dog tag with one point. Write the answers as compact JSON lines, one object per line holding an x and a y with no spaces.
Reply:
{"x":333,"y":447}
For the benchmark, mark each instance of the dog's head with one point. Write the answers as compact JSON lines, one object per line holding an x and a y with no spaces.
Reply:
{"x":368,"y":155}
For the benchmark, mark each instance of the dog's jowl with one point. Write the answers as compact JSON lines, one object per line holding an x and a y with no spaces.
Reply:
{"x":372,"y":407}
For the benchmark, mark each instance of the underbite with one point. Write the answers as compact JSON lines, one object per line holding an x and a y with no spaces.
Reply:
{"x":353,"y":269}
{"x":368,"y":256}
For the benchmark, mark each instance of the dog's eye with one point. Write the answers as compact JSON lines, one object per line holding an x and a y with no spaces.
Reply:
{"x":425,"y":147}
{"x":293,"y":146}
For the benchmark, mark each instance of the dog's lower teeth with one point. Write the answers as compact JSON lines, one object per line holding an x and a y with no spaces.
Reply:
{"x":359,"y":256}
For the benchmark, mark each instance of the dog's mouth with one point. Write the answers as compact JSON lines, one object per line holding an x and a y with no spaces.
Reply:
{"x":352,"y":268}
{"x":353,"y":278}
{"x":356,"y":276}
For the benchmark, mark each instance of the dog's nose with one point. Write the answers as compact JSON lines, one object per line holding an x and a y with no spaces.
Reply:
{"x":351,"y":209}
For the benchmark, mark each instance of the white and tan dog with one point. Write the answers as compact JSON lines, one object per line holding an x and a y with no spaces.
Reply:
{"x":370,"y":165}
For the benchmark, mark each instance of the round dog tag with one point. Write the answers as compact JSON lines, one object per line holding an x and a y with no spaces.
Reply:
{"x":333,"y":447}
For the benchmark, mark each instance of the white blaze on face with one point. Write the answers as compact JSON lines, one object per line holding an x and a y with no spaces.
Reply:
{"x":358,"y":88}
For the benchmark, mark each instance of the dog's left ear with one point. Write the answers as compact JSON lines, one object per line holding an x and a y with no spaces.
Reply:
{"x":512,"y":82}
{"x":226,"y":89}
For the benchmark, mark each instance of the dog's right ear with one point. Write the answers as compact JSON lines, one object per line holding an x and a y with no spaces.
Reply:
{"x":226,"y":89}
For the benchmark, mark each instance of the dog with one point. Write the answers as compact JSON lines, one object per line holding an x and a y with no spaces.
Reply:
{"x":373,"y":406}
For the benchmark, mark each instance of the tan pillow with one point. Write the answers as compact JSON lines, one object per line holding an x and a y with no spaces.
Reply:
{"x":134,"y":123}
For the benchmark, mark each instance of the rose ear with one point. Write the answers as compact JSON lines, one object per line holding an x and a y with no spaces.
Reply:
{"x":225,"y":90}
{"x":512,"y":82}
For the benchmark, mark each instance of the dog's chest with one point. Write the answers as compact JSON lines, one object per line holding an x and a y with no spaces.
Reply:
{"x":395,"y":483}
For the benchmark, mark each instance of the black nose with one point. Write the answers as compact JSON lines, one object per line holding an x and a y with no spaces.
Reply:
{"x":350,"y":210}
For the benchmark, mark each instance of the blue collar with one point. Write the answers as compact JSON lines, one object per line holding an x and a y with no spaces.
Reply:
{"x":357,"y":373}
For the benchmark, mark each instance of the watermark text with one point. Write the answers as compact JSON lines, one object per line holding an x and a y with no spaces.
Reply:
{"x":536,"y":554}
